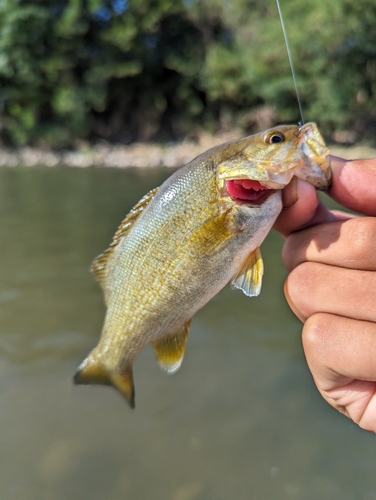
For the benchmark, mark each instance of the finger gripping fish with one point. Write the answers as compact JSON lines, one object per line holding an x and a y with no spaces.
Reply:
{"x":183,"y":242}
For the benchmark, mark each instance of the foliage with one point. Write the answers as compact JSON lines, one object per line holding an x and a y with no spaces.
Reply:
{"x":123,"y":70}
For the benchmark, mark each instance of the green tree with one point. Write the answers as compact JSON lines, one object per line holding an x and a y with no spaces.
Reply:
{"x":159,"y":69}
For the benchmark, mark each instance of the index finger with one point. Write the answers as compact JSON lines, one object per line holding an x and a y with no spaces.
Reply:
{"x":348,"y":244}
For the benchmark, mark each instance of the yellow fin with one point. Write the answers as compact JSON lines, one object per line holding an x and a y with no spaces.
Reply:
{"x":100,"y":265}
{"x":249,"y":276}
{"x":91,"y":371}
{"x":170,"y":350}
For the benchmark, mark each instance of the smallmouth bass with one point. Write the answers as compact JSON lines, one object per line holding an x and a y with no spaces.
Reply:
{"x":184,"y":241}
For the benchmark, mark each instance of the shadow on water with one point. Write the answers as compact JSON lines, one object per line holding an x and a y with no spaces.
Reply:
{"x":241,"y":419}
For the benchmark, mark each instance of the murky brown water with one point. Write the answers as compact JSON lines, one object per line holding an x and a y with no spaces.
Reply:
{"x":240,"y":420}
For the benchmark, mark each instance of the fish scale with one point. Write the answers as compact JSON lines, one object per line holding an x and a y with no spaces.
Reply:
{"x":182,"y":243}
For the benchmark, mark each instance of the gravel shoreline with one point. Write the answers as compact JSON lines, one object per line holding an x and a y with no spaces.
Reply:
{"x":139,"y":154}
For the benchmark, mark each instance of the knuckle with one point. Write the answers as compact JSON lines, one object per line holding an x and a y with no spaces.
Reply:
{"x":294,"y":249}
{"x":298,"y":287}
{"x":304,"y":275}
{"x":289,"y":251}
{"x":316,"y":334}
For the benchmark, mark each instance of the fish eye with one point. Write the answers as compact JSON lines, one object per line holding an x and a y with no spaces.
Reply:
{"x":274,"y":137}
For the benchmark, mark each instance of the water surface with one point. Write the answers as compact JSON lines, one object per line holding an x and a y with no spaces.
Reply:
{"x":240,"y":420}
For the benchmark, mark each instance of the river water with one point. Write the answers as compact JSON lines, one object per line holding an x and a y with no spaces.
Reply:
{"x":240,"y":420}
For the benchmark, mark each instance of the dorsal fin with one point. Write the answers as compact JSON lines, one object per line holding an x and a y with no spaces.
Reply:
{"x":100,"y":265}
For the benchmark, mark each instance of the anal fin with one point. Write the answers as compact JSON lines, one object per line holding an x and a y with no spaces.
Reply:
{"x":170,"y":350}
{"x":249,"y":276}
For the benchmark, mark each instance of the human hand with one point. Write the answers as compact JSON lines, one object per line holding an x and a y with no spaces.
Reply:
{"x":332,"y":284}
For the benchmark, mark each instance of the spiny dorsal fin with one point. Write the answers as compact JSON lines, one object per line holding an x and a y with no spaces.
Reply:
{"x":170,"y":349}
{"x":100,"y":265}
{"x":249,"y":276}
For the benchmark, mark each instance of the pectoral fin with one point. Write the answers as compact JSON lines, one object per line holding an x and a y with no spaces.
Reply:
{"x":170,"y":350}
{"x":249,"y":276}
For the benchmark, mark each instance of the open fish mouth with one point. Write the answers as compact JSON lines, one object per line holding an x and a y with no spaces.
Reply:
{"x":247,"y":190}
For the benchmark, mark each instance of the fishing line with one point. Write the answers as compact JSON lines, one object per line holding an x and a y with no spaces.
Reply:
{"x":290,"y":61}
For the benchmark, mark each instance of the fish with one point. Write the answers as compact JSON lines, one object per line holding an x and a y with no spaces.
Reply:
{"x":184,"y":241}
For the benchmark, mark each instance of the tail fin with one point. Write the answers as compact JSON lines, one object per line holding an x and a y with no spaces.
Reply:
{"x":91,"y":371}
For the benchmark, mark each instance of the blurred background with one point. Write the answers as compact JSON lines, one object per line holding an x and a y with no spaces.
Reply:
{"x":126,"y":70}
{"x":242,"y":418}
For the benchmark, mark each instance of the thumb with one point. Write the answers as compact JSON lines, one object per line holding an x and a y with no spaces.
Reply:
{"x":353,"y":187}
{"x":301,"y":208}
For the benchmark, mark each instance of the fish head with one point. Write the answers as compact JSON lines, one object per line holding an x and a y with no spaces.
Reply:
{"x":256,"y":166}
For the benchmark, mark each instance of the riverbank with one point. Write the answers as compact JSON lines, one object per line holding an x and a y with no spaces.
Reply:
{"x":139,"y":154}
